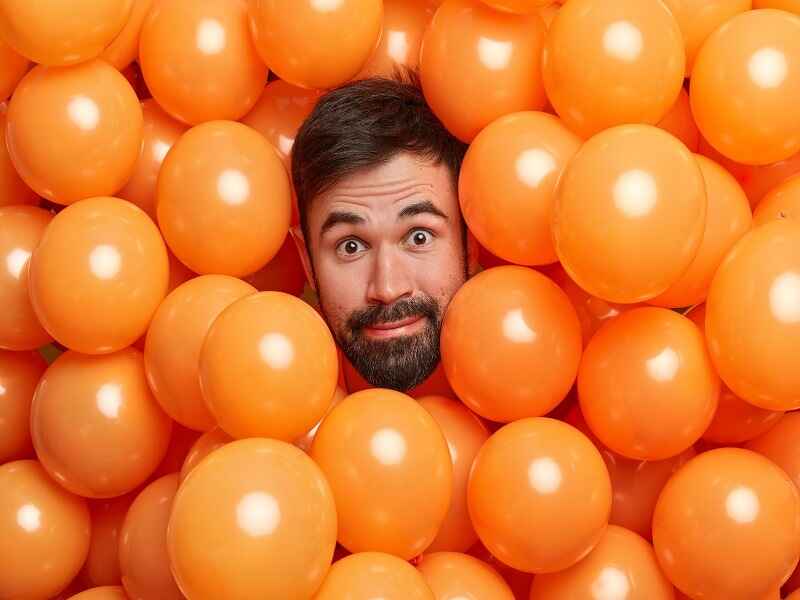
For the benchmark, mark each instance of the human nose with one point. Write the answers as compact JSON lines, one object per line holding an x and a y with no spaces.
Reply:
{"x":390,"y":280}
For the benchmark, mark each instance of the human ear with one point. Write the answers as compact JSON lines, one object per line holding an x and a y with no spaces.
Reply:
{"x":302,"y":249}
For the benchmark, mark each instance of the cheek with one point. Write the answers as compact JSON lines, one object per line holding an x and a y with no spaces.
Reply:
{"x":341,"y":290}
{"x":442,"y":277}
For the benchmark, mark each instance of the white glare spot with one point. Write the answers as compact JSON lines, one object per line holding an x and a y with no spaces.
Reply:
{"x":109,"y":400}
{"x":742,"y":505}
{"x":767,"y":67}
{"x":285,"y":144}
{"x":233,"y":187}
{"x":534,"y":165}
{"x":326,"y":5}
{"x":623,"y":40}
{"x":664,"y":365}
{"x":160,"y":150}
{"x":388,"y":446}
{"x":784,"y":298}
{"x":15,"y":261}
{"x":276,"y":350}
{"x":2,"y":390}
{"x":29,"y":517}
{"x":516,"y":329}
{"x":494,"y":54}
{"x":611,"y":584}
{"x":105,"y":261}
{"x":84,"y":112}
{"x":258,"y":514}
{"x":544,"y":475}
{"x":210,"y":36}
{"x":397,"y":46}
{"x":635,"y":193}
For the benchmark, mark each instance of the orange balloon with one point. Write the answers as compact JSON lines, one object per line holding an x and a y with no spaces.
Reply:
{"x":44,"y":532}
{"x":252,"y":503}
{"x":21,"y":229}
{"x":284,"y":273}
{"x":521,"y":7}
{"x":205,"y":445}
{"x":519,"y":582}
{"x":758,"y":181}
{"x":368,"y":575}
{"x":465,"y":433}
{"x":124,"y":49}
{"x":753,"y":318}
{"x":548,"y":13}
{"x":680,"y":123}
{"x":783,"y":202}
{"x":224,"y":200}
{"x":109,"y":592}
{"x":787,"y":5}
{"x":750,"y":65}
{"x":304,"y":441}
{"x":12,"y":67}
{"x":727,"y":525}
{"x":507,"y":185}
{"x":630,"y":213}
{"x":101,"y":257}
{"x":143,"y":559}
{"x":471,"y":51}
{"x":114,"y":434}
{"x":599,"y":61}
{"x":452,"y":575}
{"x":20,"y":372}
{"x":102,"y":564}
{"x":779,"y":444}
{"x":738,"y":170}
{"x":12,"y":189}
{"x":501,"y":332}
{"x":180,"y":443}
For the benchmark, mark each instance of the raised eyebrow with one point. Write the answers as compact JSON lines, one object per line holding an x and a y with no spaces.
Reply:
{"x":338,"y":217}
{"x":420,"y":208}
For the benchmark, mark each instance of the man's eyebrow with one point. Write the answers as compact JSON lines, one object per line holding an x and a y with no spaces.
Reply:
{"x":337,"y":217}
{"x":419,"y":208}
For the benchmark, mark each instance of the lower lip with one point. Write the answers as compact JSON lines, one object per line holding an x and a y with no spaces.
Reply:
{"x":404,"y":329}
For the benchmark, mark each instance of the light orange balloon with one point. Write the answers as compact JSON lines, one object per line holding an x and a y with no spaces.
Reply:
{"x":521,"y":7}
{"x":109,"y":592}
{"x":12,"y":67}
{"x":20,"y":372}
{"x":284,"y":273}
{"x":727,"y":525}
{"x":102,"y":564}
{"x":539,"y":495}
{"x":599,"y":61}
{"x":21,"y":229}
{"x":779,"y":444}
{"x":101,"y":257}
{"x":249,"y":504}
{"x":369,"y":575}
{"x":124,"y":49}
{"x":114,"y":434}
{"x":224,"y":199}
{"x":507,"y":185}
{"x":304,"y":441}
{"x":44,"y":532}
{"x":630,"y":213}
{"x":316,"y":45}
{"x":455,"y":575}
{"x":502,"y":330}
{"x":12,"y":189}
{"x":783,"y":202}
{"x":680,"y":123}
{"x":754,"y":58}
{"x":205,"y":445}
{"x":753,"y":317}
{"x":471,"y":51}
{"x":787,"y":5}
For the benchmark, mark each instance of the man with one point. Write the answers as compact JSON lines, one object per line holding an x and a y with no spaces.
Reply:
{"x":381,"y":234}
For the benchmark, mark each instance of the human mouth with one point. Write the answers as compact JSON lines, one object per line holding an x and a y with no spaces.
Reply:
{"x":392,"y":329}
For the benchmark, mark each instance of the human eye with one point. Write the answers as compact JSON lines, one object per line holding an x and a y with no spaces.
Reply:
{"x":419,"y":238}
{"x":350,"y":248}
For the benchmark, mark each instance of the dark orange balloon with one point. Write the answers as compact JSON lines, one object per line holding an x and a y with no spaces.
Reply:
{"x":92,"y":120}
{"x":787,"y":5}
{"x":108,"y":592}
{"x":44,"y":532}
{"x":101,"y":257}
{"x":124,"y":49}
{"x":374,"y":575}
{"x":493,"y":58}
{"x":284,"y":273}
{"x":102,"y":564}
{"x":502,"y":331}
{"x":316,"y":44}
{"x":758,"y":181}
{"x":12,"y":189}
{"x":205,"y":445}
{"x":680,"y":123}
{"x":12,"y":67}
{"x":719,"y":504}
{"x":180,"y":443}
{"x":519,"y":582}
{"x":632,"y":197}
{"x":113,"y":435}
{"x":305,"y":441}
{"x":20,"y":372}
{"x":783,"y":202}
{"x":454,"y":575}
{"x":779,"y":444}
{"x":518,"y":6}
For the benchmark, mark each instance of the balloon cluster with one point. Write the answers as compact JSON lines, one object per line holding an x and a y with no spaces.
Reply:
{"x":613,"y":419}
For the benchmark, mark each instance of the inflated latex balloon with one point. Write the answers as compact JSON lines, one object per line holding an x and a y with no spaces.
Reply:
{"x":20,"y":372}
{"x":493,"y":58}
{"x":630,"y":213}
{"x":680,"y":123}
{"x":507,"y":185}
{"x":12,"y":189}
{"x":205,"y":445}
{"x":44,"y":532}
{"x":390,"y":470}
{"x":12,"y":67}
{"x":102,"y":564}
{"x":787,"y":5}
{"x":719,"y":504}
{"x":305,"y":441}
{"x":21,"y":229}
{"x":268,"y":367}
{"x":92,"y":120}
{"x":753,"y":58}
{"x":296,"y":39}
{"x":455,"y":575}
{"x":114,"y":434}
{"x":284,"y":273}
{"x":521,"y":7}
{"x":779,"y":444}
{"x":599,"y":60}
{"x":124,"y":49}
{"x":199,"y":61}
{"x":250,"y":504}
{"x":519,"y":582}
{"x":369,"y":575}
{"x":758,"y":181}
{"x":143,"y":559}
{"x":180,"y":443}
{"x":108,"y":592}
{"x":622,"y":565}
{"x":781,"y":203}
{"x":539,"y":495}
{"x":753,"y":316}
{"x":98,"y":275}
{"x":465,"y":433}
{"x":501,"y":332}
{"x":224,"y":200}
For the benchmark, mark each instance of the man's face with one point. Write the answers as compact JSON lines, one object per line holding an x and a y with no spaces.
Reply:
{"x":385,"y":250}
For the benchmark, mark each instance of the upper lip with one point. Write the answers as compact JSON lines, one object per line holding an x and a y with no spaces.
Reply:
{"x":395,"y":324}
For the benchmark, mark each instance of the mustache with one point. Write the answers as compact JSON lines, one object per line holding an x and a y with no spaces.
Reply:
{"x":422,"y":306}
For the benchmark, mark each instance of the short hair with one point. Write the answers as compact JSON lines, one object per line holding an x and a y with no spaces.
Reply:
{"x":363,"y":124}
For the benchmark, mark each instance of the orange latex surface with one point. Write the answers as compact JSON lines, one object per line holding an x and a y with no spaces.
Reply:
{"x":205,"y":445}
{"x":680,"y":123}
{"x":12,"y":67}
{"x":12,"y":189}
{"x":20,"y":372}
{"x":374,"y":575}
{"x":455,"y":575}
{"x":779,"y":444}
{"x":102,"y":564}
{"x":783,"y":202}
{"x":124,"y":49}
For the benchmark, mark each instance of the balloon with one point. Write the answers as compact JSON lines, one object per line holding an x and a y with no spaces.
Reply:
{"x":101,"y":257}
{"x":738,"y":170}
{"x":779,"y":444}
{"x":757,"y":181}
{"x":539,"y":495}
{"x":465,"y":434}
{"x":754,"y":58}
{"x":12,"y":67}
{"x":519,"y":582}
{"x":501,"y":332}
{"x":21,"y":228}
{"x":548,"y":14}
{"x":223,"y":199}
{"x":113,"y":435}
{"x":180,"y":443}
{"x":368,"y":575}
{"x":622,"y":565}
{"x":507,"y":185}
{"x":284,"y":273}
{"x":124,"y":49}
{"x":102,"y":564}
{"x":783,"y":202}
{"x":787,"y":5}
{"x":727,"y":525}
{"x":92,"y":121}
{"x":20,"y":372}
{"x":199,"y":61}
{"x":159,"y":135}
{"x":295,"y":39}
{"x":599,"y":61}
{"x":205,"y":445}
{"x":521,"y":7}
{"x":304,"y":441}
{"x":109,"y":592}
{"x":143,"y":559}
{"x":44,"y":532}
{"x":255,"y":519}
{"x":680,"y":123}
{"x":633,"y":197}
{"x":455,"y":575}
{"x":12,"y":189}
{"x":471,"y":51}
{"x":753,"y":311}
